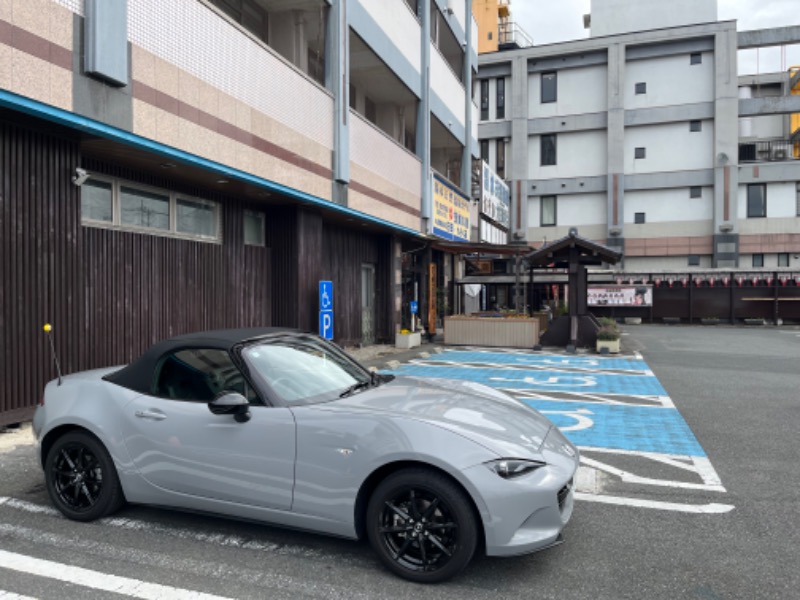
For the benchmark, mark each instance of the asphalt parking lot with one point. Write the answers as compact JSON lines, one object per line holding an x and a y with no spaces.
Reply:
{"x":688,"y":490}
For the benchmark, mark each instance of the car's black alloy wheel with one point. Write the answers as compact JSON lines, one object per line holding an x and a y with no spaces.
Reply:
{"x":81,"y":478}
{"x":422,"y":525}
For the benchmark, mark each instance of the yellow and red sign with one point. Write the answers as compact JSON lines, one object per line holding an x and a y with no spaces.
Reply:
{"x":450,"y":211}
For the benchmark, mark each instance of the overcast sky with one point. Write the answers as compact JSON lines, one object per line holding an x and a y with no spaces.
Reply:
{"x":549,"y":21}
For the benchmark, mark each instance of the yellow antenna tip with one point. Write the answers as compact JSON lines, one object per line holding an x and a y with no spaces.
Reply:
{"x":48,"y":328}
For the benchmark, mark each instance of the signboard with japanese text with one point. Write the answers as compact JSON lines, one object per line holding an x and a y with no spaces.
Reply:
{"x":450,"y":211}
{"x":620,"y":295}
{"x":495,"y":196}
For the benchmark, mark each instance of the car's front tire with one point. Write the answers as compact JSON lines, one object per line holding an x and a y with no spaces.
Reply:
{"x":422,"y":525}
{"x":81,"y":478}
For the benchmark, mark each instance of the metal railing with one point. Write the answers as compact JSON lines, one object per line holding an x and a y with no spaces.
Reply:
{"x":512,"y":35}
{"x":766,"y":151}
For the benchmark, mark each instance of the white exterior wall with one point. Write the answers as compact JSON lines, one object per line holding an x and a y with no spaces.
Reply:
{"x":781,"y":204}
{"x":400,"y":26}
{"x":669,"y":147}
{"x":572,"y":210}
{"x":670,"y":80}
{"x":446,"y":86}
{"x":578,"y":91}
{"x":767,"y":127}
{"x":669,"y":205}
{"x":578,"y":154}
{"x":622,"y":16}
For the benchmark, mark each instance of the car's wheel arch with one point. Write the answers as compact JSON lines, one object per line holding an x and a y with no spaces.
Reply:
{"x":373,"y":480}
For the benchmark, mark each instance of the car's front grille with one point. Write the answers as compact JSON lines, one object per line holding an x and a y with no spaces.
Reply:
{"x":563,"y":493}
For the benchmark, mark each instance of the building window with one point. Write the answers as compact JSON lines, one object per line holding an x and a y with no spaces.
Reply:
{"x":756,"y":200}
{"x":253,"y":228}
{"x":501,"y":98}
{"x":97,"y":201}
{"x":695,"y":192}
{"x":547,"y":218}
{"x":549,"y":87}
{"x":127,"y":206}
{"x":695,"y":126}
{"x":638,"y":218}
{"x":143,"y":209}
{"x":248,"y":14}
{"x":695,"y":58}
{"x":640,"y":153}
{"x":501,"y":159}
{"x":798,"y":199}
{"x":489,"y":36}
{"x":548,"y":149}
{"x":484,"y":99}
{"x":758,"y":260}
{"x":352,"y":96}
{"x":485,"y":150}
{"x":783,"y":259}
{"x":641,"y":88}
{"x":694,"y":260}
{"x":370,"y":111}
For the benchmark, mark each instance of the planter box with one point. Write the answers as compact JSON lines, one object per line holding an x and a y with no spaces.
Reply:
{"x":612,"y":345}
{"x":492,"y":332}
{"x":407,"y":340}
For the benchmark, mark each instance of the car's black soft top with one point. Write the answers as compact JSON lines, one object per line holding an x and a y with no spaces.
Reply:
{"x":138,"y":375}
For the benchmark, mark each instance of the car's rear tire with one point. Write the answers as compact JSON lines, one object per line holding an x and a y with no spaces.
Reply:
{"x":422,"y":525}
{"x":81,"y":478}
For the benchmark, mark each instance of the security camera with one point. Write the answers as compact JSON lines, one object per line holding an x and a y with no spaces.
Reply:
{"x":80,"y":176}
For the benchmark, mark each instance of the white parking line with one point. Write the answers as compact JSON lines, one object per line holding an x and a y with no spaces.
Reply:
{"x":97,"y":580}
{"x":13,"y":596}
{"x":712,"y":508}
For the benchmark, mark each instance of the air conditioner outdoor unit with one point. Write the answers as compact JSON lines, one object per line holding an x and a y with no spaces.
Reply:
{"x":778,"y":154}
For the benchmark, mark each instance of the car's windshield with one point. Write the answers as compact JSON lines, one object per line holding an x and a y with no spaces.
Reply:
{"x":304,"y":370}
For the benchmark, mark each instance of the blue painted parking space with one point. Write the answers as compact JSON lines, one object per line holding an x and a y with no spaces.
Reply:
{"x":537,"y":360}
{"x":549,"y":379}
{"x":591,"y":418}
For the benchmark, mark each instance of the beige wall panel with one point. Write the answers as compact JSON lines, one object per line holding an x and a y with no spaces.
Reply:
{"x":30,"y":76}
{"x":168,"y":128}
{"x":379,"y":184}
{"x":760,"y":244}
{"x":189,"y":89}
{"x":60,"y":87}
{"x":669,"y":229}
{"x":143,"y":66}
{"x":208,"y":98}
{"x":145,"y":119}
{"x":32,"y":15}
{"x":6,"y":12}
{"x":767,"y":226}
{"x":167,"y":79}
{"x":6,"y":66}
{"x":60,"y":26}
{"x":369,"y":205}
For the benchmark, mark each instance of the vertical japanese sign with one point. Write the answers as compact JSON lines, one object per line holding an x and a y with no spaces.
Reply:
{"x":450,"y":211}
{"x":326,"y":309}
{"x":432,"y":298}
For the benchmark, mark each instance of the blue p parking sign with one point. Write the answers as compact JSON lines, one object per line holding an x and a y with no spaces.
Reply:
{"x":326,"y":309}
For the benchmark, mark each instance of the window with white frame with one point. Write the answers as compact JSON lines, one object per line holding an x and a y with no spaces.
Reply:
{"x":783,"y":259}
{"x":547,"y":217}
{"x":253,"y":228}
{"x":134,"y":207}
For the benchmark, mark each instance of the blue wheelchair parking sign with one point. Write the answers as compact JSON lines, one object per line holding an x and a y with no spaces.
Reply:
{"x":326,"y":309}
{"x":414,"y":307}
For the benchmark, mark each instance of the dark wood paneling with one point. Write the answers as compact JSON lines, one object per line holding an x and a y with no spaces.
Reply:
{"x":281,"y":232}
{"x":109,"y":294}
{"x":40,"y":258}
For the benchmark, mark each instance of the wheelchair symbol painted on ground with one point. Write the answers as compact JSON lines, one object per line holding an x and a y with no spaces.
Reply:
{"x":581,"y":420}
{"x":558,"y":380}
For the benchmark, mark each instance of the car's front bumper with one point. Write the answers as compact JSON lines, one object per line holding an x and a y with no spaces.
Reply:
{"x":528,"y":513}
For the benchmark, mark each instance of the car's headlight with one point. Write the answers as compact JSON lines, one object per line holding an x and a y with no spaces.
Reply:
{"x":509,"y":468}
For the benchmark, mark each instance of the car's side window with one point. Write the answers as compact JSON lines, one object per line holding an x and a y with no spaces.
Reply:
{"x":200,"y":374}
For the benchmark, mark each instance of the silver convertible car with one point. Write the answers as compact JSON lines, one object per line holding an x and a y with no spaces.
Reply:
{"x":283,"y":427}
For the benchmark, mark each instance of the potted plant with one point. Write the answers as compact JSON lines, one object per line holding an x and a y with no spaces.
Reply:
{"x":608,"y":336}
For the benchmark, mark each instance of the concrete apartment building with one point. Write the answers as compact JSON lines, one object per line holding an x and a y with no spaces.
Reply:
{"x":644,"y":138}
{"x":169,"y":166}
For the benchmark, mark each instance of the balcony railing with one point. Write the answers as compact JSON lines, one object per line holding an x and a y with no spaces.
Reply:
{"x":766,"y":151}
{"x":512,"y":36}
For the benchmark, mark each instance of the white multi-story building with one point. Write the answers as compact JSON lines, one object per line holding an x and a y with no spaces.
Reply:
{"x":633,"y":136}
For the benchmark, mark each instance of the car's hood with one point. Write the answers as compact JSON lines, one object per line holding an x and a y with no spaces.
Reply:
{"x":487,"y":416}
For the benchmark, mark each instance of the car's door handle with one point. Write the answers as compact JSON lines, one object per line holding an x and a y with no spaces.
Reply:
{"x":153,"y":415}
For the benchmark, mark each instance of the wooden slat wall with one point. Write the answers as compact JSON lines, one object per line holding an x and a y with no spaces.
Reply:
{"x":40,"y":257}
{"x":281,"y":236}
{"x":108,"y":294}
{"x":344,"y":251}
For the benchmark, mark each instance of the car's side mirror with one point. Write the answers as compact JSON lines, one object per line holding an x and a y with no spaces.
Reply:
{"x":231,"y":403}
